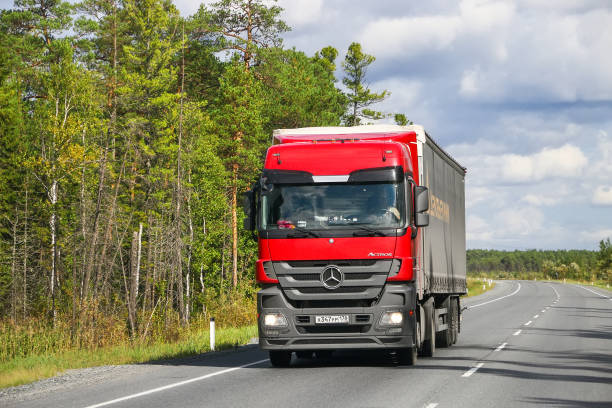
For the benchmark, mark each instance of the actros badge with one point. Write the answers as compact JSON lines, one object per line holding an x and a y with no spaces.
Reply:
{"x":379,"y":254}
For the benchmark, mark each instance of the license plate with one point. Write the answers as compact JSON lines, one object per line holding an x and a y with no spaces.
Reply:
{"x":332,"y":319}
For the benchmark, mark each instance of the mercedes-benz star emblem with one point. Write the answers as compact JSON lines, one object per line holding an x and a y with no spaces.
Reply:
{"x":332,"y":277}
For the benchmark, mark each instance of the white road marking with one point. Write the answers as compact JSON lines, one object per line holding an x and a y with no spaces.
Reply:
{"x":500,"y":347}
{"x":495,"y":300}
{"x":516,"y":333}
{"x":528,"y":323}
{"x":472,"y":370}
{"x":536,"y":316}
{"x":177,"y":384}
{"x":556,"y":293}
{"x":592,"y":291}
{"x":543,"y":311}
{"x":431,"y":405}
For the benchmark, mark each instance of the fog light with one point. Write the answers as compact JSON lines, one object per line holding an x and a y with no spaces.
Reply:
{"x":392,"y":318}
{"x":275,"y":320}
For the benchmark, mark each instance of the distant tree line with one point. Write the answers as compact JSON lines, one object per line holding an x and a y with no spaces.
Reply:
{"x":128,"y":134}
{"x":582,"y":265}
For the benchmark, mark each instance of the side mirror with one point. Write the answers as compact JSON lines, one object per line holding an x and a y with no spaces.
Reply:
{"x":421,"y":199}
{"x":421,"y":220}
{"x":249,"y":210}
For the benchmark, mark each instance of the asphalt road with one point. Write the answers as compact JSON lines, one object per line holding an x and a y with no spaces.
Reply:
{"x":521,"y":344}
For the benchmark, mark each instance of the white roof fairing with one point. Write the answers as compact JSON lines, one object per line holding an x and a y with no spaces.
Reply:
{"x":353,"y":130}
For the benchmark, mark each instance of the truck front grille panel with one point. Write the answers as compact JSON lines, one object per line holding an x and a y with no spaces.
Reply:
{"x":362,"y":279}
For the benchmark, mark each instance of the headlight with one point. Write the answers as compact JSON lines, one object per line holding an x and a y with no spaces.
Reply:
{"x":392,"y":318}
{"x":275,"y":320}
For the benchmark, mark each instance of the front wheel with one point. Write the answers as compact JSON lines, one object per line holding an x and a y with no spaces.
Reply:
{"x":280,"y":358}
{"x":429,"y":344}
{"x":407,"y":356}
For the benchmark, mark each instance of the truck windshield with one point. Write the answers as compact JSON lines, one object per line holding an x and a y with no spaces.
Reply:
{"x":330,"y":206}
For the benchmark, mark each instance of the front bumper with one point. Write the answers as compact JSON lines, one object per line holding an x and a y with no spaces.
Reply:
{"x":364,"y":330}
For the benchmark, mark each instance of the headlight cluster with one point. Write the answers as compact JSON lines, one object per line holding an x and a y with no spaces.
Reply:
{"x":392,"y":318}
{"x":275,"y":320}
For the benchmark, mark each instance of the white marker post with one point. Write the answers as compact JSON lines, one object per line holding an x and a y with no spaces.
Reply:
{"x":212,"y":334}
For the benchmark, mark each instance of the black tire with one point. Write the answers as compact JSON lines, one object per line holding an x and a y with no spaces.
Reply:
{"x":280,"y":358}
{"x":407,"y":356}
{"x":324,"y":354}
{"x":429,"y":345}
{"x":455,"y":319}
{"x":305,"y":354}
{"x":444,"y":338}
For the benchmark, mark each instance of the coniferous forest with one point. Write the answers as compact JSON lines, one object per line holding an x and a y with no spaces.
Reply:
{"x":128,"y":134}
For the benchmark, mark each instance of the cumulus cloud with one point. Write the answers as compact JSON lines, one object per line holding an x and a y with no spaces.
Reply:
{"x":602,"y":196}
{"x":477,"y":229}
{"x":299,"y":13}
{"x":596,"y":235}
{"x":390,"y":37}
{"x":540,"y":200}
{"x":565,"y":161}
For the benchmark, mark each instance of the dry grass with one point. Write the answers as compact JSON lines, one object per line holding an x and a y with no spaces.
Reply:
{"x":34,"y":349}
{"x":477,"y":286}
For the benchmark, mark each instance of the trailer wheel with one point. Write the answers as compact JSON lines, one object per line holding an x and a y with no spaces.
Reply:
{"x":280,"y":358}
{"x":455,"y":318}
{"x":444,"y":338}
{"x":429,"y":343}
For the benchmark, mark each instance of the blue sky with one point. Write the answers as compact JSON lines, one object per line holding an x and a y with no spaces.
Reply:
{"x":520,"y":92}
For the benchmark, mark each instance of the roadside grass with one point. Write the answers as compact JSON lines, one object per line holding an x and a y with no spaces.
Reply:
{"x":598,"y":284}
{"x":22,"y":370}
{"x":475,"y":286}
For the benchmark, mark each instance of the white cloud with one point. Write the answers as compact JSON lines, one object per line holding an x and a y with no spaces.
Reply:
{"x":391,"y":37}
{"x":566,"y":161}
{"x":602,"y":196}
{"x":484,"y":15}
{"x":477,"y":229}
{"x":298,"y":13}
{"x":520,"y":221}
{"x":540,"y":200}
{"x":470,"y":82}
{"x":596,"y":235}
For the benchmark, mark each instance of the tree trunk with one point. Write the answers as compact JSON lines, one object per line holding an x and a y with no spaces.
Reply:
{"x":100,"y":276}
{"x":135,"y":276}
{"x":14,"y":270}
{"x":234,"y":204}
{"x":95,"y":228}
{"x":53,"y":230}
{"x":25,"y":254}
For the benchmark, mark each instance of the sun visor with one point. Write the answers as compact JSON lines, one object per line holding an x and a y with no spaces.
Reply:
{"x":287,"y":177}
{"x":391,"y":174}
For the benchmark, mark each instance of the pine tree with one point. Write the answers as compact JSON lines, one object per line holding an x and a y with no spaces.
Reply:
{"x":239,"y":26}
{"x":355,"y":66}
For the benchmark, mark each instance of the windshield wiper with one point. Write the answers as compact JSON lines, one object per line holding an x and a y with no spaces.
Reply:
{"x":305,"y":232}
{"x":371,"y":231}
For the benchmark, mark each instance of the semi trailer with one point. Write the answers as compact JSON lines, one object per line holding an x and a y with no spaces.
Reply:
{"x":361,"y":237}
